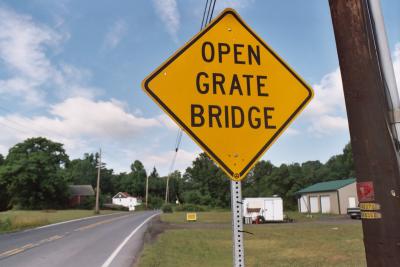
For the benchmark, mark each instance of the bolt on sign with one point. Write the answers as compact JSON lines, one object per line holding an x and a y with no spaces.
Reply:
{"x":230,"y":92}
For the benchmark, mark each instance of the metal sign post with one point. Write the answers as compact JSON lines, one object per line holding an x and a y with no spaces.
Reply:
{"x":237,"y":224}
{"x":226,"y":84}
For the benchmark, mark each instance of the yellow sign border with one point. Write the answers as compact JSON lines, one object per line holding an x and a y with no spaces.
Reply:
{"x":191,"y":216}
{"x":252,"y":162}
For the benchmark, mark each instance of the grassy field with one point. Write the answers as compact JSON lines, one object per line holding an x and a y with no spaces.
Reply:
{"x":202,"y":217}
{"x":22,"y":219}
{"x":307,"y":243}
{"x":225,"y":217}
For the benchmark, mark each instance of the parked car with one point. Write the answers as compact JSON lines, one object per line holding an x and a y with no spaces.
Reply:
{"x":354,"y":213}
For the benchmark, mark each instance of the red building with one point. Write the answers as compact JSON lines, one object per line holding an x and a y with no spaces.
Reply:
{"x":78,"y":193}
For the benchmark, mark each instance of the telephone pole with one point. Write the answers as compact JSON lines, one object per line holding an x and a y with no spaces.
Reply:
{"x":147,"y":188}
{"x":98,"y":183}
{"x":167,"y":190}
{"x":372,"y":115}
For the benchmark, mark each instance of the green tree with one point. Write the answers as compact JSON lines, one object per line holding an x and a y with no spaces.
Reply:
{"x":255,"y":182}
{"x":84,"y":171}
{"x":134,"y":182}
{"x":206,"y":179}
{"x":34,"y":172}
{"x":175,"y":186}
{"x":4,"y":196}
{"x":156,"y":184}
{"x":340,"y":166}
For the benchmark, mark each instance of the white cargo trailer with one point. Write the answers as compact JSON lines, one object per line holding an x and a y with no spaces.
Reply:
{"x":271,"y":208}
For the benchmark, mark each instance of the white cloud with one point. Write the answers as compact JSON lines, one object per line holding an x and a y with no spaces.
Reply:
{"x":30,"y":74}
{"x":169,"y":14}
{"x":167,"y":122}
{"x":328,"y":125}
{"x":326,"y":113}
{"x":115,"y":34}
{"x":23,"y":45}
{"x":73,"y":82}
{"x":20,"y":87}
{"x":106,"y":119}
{"x":291,"y":131}
{"x":328,"y":97}
{"x":77,"y":121}
{"x":163,"y":160}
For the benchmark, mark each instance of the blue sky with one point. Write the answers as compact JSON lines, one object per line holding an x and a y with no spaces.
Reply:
{"x":71,"y":71}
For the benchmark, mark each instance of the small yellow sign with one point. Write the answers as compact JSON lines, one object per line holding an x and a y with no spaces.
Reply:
{"x":230,"y":92}
{"x":370,"y":215}
{"x":191,"y":217}
{"x":370,"y":206}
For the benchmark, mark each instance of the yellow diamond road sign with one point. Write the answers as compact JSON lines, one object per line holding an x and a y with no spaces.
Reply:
{"x":230,"y":92}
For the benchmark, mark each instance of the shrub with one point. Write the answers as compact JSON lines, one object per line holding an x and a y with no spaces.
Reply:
{"x":167,"y":208}
{"x":191,"y":207}
{"x":88,"y":203}
{"x":114,"y":207}
{"x":141,"y":207}
{"x":5,"y":224}
{"x":155,"y":202}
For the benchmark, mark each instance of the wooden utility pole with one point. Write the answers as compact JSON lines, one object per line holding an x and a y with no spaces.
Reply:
{"x":147,"y":188}
{"x":167,"y":190}
{"x":98,"y":183}
{"x":372,"y":137}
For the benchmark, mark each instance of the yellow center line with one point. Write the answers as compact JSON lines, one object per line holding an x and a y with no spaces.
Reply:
{"x":14,"y":251}
{"x":30,"y":245}
{"x":54,"y":237}
{"x":9,"y":252}
{"x":98,"y":223}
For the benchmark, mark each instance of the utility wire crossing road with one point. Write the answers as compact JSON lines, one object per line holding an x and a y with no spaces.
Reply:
{"x":109,"y":240}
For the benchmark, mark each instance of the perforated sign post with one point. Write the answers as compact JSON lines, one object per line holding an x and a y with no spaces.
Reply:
{"x":233,"y":95}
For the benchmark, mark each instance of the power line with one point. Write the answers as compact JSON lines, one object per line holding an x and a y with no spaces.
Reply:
{"x":212,"y":11}
{"x":12,"y":128}
{"x":22,"y":126}
{"x":208,"y":13}
{"x":209,"y":10}
{"x":40,"y":132}
{"x":204,"y":14}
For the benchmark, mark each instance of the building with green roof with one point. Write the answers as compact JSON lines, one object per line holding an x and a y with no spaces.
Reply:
{"x":328,"y":197}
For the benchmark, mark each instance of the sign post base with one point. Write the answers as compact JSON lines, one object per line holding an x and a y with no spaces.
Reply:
{"x":237,"y":224}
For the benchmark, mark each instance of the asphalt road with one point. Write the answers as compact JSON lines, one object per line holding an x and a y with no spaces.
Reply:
{"x":111,"y":240}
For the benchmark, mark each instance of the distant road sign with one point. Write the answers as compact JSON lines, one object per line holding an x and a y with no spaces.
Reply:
{"x":191,"y":217}
{"x":230,"y":92}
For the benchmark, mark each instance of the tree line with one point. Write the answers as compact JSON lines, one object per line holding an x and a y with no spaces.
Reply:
{"x":36,"y":173}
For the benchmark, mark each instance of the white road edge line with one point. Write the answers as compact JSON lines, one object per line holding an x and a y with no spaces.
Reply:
{"x":75,"y":220}
{"x":118,"y":249}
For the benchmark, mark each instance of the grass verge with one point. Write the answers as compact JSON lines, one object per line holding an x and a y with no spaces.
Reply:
{"x":202,"y":217}
{"x":309,"y":243}
{"x":225,"y":217}
{"x":14,"y":220}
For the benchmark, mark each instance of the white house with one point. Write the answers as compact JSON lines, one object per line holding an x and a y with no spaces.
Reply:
{"x":126,"y":200}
